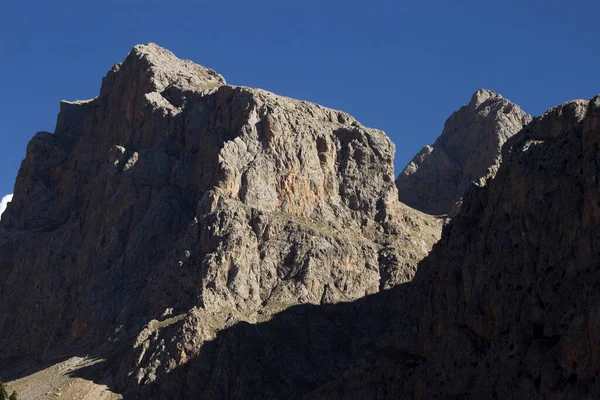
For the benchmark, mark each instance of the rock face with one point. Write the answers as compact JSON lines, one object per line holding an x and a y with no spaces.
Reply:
{"x":505,"y":306}
{"x":468,"y":147}
{"x":218,"y":242}
{"x":174,"y":205}
{"x":515,"y":278}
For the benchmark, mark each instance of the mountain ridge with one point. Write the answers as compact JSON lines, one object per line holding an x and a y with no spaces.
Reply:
{"x":178,"y":237}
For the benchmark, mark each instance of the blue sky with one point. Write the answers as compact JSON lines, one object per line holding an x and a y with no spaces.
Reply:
{"x":398,"y":66}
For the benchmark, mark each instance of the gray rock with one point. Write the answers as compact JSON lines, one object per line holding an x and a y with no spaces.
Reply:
{"x":510,"y":300}
{"x":173,"y":206}
{"x":468,"y":149}
{"x":505,"y":306}
{"x":223,"y":247}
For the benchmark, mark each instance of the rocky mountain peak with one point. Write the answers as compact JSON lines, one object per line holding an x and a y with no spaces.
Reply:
{"x":524,"y":293}
{"x":468,"y":149}
{"x":152,"y":68}
{"x":482,"y":95}
{"x":176,"y":201}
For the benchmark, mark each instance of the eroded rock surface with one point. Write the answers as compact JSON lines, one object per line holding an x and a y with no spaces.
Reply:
{"x":515,"y":278}
{"x":174,"y":205}
{"x":508,"y":299}
{"x":468,"y":149}
{"x":223,"y":242}
{"x":505,"y":306}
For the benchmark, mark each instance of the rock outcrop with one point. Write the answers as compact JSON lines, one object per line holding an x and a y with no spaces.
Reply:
{"x":468,"y":149}
{"x":174,"y":205}
{"x":224,"y":242}
{"x":514,"y":295}
{"x":505,"y":306}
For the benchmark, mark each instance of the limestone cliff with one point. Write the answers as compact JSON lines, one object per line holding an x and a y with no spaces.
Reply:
{"x":468,"y":147}
{"x":505,"y":306}
{"x":174,"y":205}
{"x":193,"y":240}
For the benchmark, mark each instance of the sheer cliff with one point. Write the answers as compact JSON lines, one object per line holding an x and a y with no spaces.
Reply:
{"x":204,"y":241}
{"x":514,"y":299}
{"x":174,"y":205}
{"x":505,"y":306}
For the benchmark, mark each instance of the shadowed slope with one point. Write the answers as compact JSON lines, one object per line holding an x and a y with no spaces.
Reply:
{"x":504,"y":306}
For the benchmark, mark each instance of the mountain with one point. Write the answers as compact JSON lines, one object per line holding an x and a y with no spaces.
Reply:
{"x":173,"y":206}
{"x":505,"y":306}
{"x":181,"y":238}
{"x":514,"y":299}
{"x":469,"y":146}
{"x":4,"y":202}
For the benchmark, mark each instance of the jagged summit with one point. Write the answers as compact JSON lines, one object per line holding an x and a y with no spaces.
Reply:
{"x":156,"y":52}
{"x":482,"y":95}
{"x":157,"y":69}
{"x":469,"y":145}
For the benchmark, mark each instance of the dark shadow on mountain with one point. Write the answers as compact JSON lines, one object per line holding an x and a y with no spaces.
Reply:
{"x":360,"y":349}
{"x":348,"y":350}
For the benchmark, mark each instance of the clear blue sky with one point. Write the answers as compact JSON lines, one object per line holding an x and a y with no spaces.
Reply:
{"x":398,"y":66}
